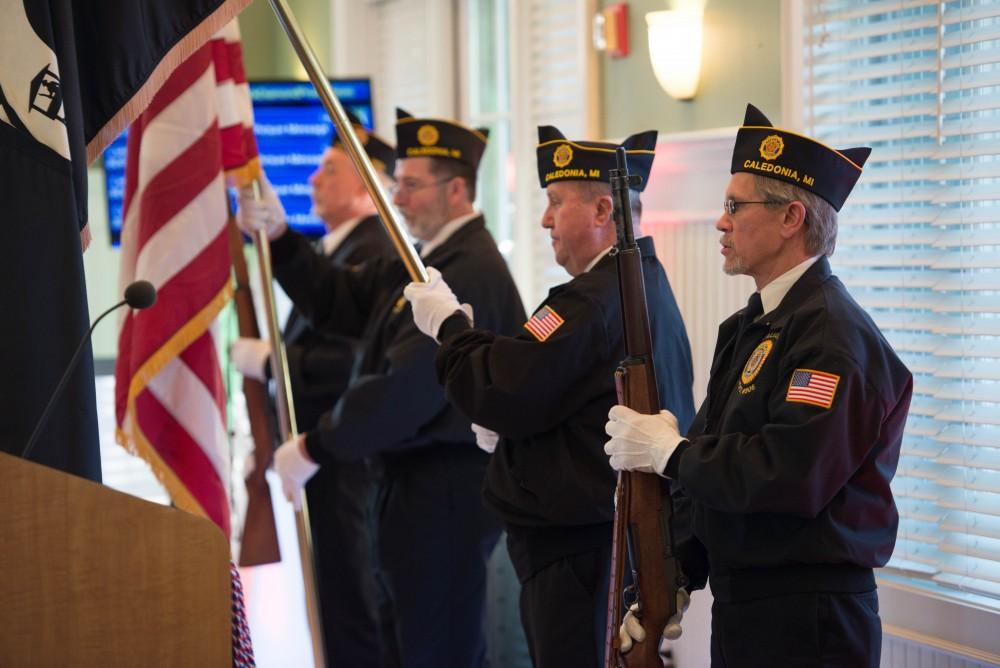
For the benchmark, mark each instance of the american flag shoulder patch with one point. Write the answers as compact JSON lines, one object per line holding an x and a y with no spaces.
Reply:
{"x":544,"y":323}
{"x":809,"y":386}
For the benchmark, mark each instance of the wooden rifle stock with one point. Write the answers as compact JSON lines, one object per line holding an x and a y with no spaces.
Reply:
{"x":643,"y":507}
{"x":259,"y":544}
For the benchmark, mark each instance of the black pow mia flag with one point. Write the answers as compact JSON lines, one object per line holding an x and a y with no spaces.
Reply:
{"x":73,"y":73}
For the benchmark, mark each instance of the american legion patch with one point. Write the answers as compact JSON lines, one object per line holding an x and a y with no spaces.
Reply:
{"x":756,"y":361}
{"x":544,"y":323}
{"x":809,"y":386}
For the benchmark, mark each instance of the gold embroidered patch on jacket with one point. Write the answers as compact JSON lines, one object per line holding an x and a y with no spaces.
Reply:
{"x":756,"y":361}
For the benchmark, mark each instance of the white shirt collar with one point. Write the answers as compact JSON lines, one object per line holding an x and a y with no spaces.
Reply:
{"x":445,"y":232}
{"x":593,"y":263}
{"x":331,"y":240}
{"x":775,"y":291}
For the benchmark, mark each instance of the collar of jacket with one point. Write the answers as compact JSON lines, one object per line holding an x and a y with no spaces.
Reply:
{"x":357,"y":230}
{"x":607,"y":263}
{"x":440,"y":254}
{"x":646,"y":250}
{"x":646,"y":246}
{"x":801,"y":290}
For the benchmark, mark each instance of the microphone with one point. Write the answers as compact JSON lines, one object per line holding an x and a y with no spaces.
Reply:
{"x":138,"y":295}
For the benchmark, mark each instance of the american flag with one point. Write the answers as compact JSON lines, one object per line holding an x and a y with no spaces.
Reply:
{"x":543,"y":323}
{"x":170,"y":396}
{"x":812,"y":387}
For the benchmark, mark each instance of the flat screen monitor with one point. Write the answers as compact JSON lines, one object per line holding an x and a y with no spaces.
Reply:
{"x":292,"y":129}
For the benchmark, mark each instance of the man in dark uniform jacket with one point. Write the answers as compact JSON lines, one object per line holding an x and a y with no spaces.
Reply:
{"x":319,"y":365}
{"x":434,"y":533}
{"x":547,"y":391}
{"x":783,"y":479}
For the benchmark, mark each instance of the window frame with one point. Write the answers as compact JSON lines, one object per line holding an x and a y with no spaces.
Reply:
{"x":913,"y":609}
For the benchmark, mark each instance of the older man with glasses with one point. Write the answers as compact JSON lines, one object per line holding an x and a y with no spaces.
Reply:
{"x":434,"y":533}
{"x":782,"y":482}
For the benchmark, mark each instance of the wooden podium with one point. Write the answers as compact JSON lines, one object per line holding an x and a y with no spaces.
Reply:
{"x":93,"y":577}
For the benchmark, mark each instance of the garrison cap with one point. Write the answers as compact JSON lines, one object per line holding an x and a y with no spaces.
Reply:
{"x":802,"y":161}
{"x":560,"y":159}
{"x":382,"y":154}
{"x":436,"y":138}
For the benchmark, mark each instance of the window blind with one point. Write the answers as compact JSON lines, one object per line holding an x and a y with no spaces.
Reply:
{"x":552,"y":78}
{"x":410,"y":65}
{"x":919,"y":248}
{"x":487,"y":91}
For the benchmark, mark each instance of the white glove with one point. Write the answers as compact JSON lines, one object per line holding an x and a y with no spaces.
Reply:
{"x":640,"y":442}
{"x":249,"y":356}
{"x":265,"y":214}
{"x":295,"y":468}
{"x":433,"y":303}
{"x":631,"y":629}
{"x":486,"y":439}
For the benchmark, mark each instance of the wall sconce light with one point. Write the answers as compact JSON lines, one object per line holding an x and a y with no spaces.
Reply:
{"x":675,"y":50}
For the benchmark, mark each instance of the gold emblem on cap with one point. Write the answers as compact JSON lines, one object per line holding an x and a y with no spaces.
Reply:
{"x":563,"y":155}
{"x":756,"y":361}
{"x":771,"y":147}
{"x":428,"y":135}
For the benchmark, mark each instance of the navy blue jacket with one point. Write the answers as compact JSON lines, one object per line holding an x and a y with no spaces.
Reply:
{"x":394,"y":402}
{"x":549,"y":479}
{"x":773,"y":477}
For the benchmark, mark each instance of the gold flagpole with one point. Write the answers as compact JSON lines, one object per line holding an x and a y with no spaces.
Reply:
{"x":388,"y":214}
{"x":289,"y":429}
{"x":407,"y":253}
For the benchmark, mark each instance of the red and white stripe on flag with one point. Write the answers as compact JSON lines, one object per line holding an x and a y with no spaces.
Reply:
{"x":240,"y":158}
{"x":812,"y":387}
{"x":543,"y":323}
{"x":170,"y":399}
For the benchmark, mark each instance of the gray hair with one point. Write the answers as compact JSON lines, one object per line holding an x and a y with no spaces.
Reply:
{"x":821,"y":217}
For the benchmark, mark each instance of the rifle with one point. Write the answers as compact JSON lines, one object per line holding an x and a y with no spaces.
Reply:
{"x":643,"y":507}
{"x":259,"y":544}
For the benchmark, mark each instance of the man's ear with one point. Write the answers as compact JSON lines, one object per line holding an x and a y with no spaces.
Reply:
{"x":455,"y":188}
{"x":794,"y":220}
{"x":605,"y":210}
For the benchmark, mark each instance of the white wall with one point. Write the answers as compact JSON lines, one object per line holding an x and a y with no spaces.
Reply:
{"x":100,"y":266}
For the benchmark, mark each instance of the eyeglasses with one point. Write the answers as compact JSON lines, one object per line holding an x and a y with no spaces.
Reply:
{"x":408,"y":188}
{"x":730,"y":206}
